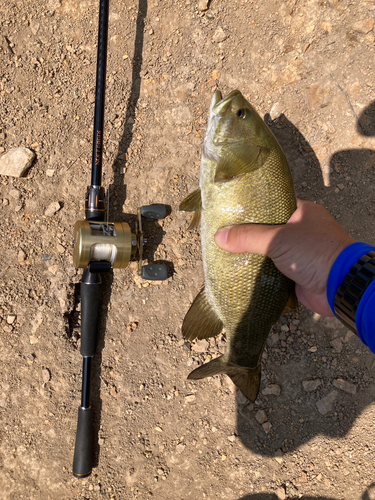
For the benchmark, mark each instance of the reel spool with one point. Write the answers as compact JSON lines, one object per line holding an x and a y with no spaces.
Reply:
{"x":105,"y":245}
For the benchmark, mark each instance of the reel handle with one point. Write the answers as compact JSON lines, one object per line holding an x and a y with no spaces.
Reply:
{"x":90,"y":299}
{"x":83,"y":451}
{"x":90,"y":303}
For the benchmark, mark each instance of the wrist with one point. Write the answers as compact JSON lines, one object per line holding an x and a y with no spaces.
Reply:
{"x":351,"y":288}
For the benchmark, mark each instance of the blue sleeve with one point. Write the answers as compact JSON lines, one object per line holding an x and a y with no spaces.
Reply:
{"x":365,"y":317}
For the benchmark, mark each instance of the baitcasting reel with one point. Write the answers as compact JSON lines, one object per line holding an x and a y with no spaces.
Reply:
{"x":102,"y":245}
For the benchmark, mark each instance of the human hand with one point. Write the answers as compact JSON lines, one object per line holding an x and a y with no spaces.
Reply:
{"x":304,"y":249}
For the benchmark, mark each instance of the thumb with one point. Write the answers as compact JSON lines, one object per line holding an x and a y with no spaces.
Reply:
{"x":247,"y":238}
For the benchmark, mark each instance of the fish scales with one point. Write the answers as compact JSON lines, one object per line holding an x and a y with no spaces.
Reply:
{"x":244,"y":178}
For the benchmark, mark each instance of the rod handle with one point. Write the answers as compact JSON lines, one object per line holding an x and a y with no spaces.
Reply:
{"x":83,"y":451}
{"x":90,"y":305}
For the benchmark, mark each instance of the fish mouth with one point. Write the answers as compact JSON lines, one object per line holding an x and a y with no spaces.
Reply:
{"x":219,"y":105}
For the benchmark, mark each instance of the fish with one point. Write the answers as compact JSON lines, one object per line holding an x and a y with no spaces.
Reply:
{"x":244,"y":179}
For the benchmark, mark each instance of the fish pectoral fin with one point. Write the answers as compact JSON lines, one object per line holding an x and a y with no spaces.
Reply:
{"x":214,"y":367}
{"x":292,"y":303}
{"x":192,"y":202}
{"x":239,"y":160}
{"x":247,"y":380}
{"x":201,"y":320}
{"x":195,"y":221}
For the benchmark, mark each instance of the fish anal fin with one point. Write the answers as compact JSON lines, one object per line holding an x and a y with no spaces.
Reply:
{"x":239,"y":160}
{"x":195,"y":221}
{"x":292,"y":303}
{"x":192,"y":202}
{"x":214,"y":367}
{"x":247,"y":380}
{"x":201,"y":320}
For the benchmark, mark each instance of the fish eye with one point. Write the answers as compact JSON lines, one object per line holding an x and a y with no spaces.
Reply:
{"x":241,"y":113}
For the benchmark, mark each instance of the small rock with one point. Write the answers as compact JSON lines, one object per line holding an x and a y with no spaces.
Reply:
{"x":113,"y":391}
{"x":261,"y":416}
{"x":337,"y":344}
{"x":5,"y":202}
{"x":21,"y":256}
{"x":16,"y":162}
{"x":219,"y":35}
{"x":203,"y":5}
{"x":200,"y":346}
{"x":364,"y":26}
{"x":293,"y":328}
{"x":15,"y":194}
{"x":341,"y":186}
{"x":101,"y":441}
{"x":33,"y":339}
{"x":241,"y":399}
{"x":284,"y":328}
{"x":348,"y":336}
{"x":325,"y":405}
{"x":267,"y":427}
{"x":273,"y":339}
{"x":272,"y":389}
{"x":180,"y":447}
{"x":303,"y":477}
{"x":190,"y":398}
{"x":46,"y":375}
{"x":311,"y":385}
{"x":345,"y":386}
{"x":60,"y":248}
{"x":279,"y":456}
{"x":232,"y":438}
{"x":281,"y":494}
{"x":313,"y":349}
{"x":53,"y":208}
{"x":276,"y":110}
{"x":50,"y":172}
{"x":10,"y":319}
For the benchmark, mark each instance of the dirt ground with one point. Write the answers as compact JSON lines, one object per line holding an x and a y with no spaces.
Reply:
{"x":158,"y":435}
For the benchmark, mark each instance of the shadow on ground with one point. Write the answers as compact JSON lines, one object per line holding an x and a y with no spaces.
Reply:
{"x":294,"y":414}
{"x":367,"y":495}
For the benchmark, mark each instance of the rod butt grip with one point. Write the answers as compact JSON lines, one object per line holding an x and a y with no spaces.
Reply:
{"x":83,"y":451}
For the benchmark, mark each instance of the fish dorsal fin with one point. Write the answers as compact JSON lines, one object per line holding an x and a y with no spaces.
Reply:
{"x":292,"y":303}
{"x":201,"y":321}
{"x":192,"y":202}
{"x":239,"y":160}
{"x":195,"y":221}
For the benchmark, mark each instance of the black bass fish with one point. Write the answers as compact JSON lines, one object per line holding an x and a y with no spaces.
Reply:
{"x":244,"y":179}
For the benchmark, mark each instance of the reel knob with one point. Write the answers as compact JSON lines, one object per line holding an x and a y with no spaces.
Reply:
{"x":155,"y":272}
{"x":156,"y":211}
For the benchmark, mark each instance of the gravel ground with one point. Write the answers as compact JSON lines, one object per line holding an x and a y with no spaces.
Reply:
{"x":307,"y":66}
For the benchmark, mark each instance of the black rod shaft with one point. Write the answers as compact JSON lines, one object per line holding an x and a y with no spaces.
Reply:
{"x":86,"y":382}
{"x":97,"y":153}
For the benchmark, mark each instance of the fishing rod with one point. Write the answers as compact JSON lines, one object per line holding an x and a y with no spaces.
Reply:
{"x":100,"y":246}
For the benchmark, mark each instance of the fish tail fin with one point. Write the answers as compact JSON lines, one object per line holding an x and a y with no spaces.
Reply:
{"x":247,"y":380}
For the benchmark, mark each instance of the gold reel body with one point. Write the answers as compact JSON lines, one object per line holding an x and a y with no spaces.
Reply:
{"x":98,"y":241}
